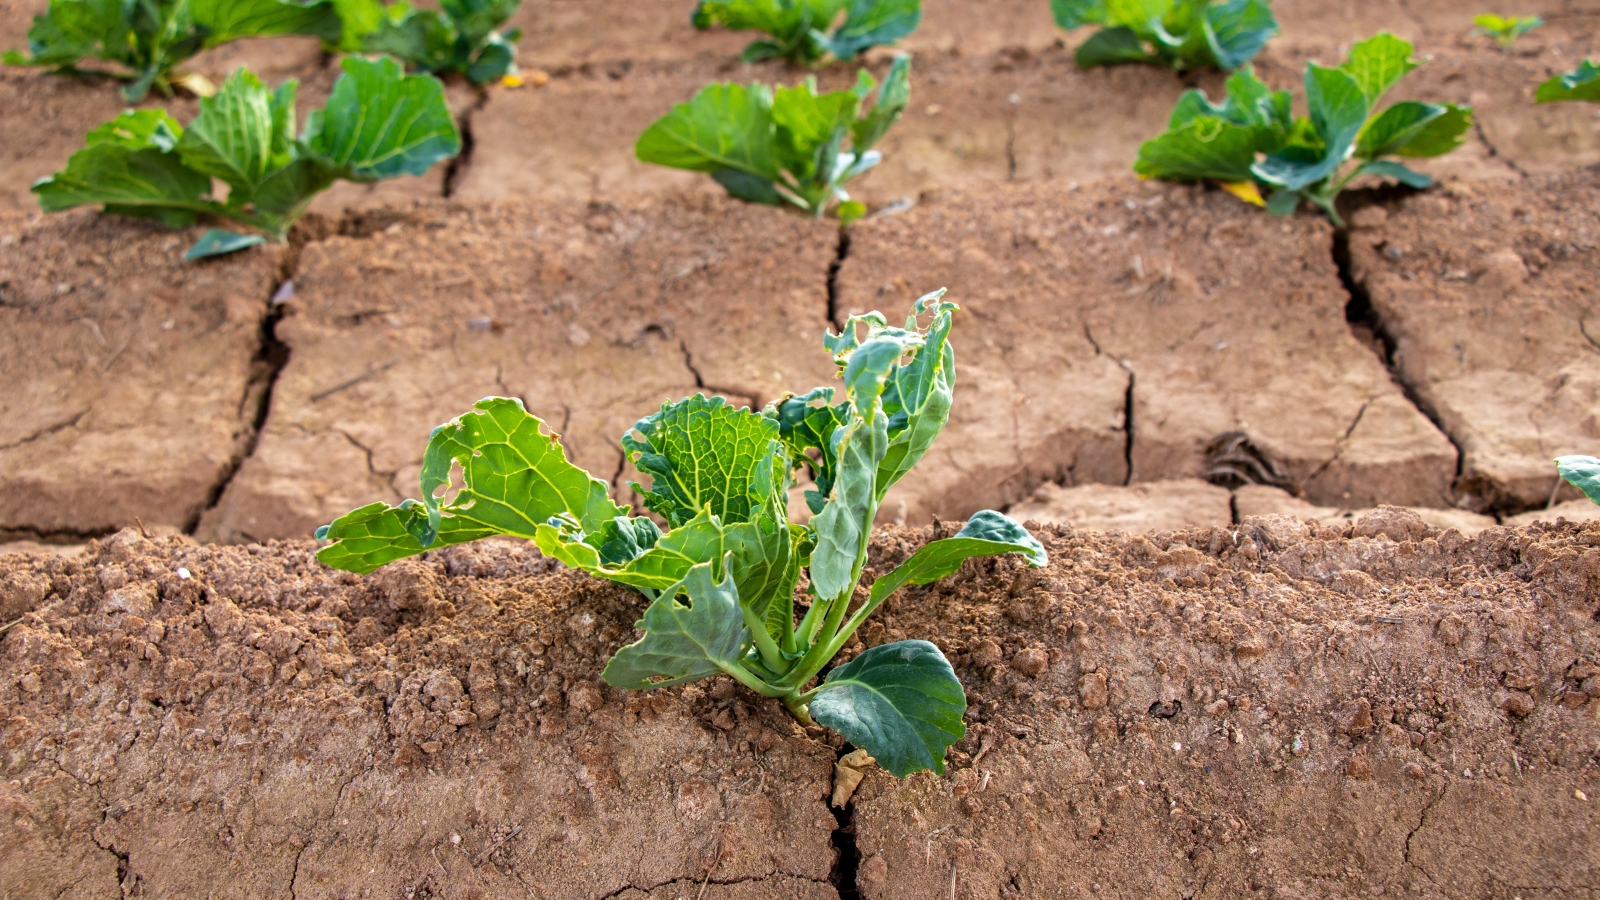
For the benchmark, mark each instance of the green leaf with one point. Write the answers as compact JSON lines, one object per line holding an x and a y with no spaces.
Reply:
{"x":375,"y":534}
{"x":516,"y":480}
{"x":423,"y":38}
{"x":1284,"y":202}
{"x":850,"y":211}
{"x":683,"y":642}
{"x":1143,"y":16}
{"x":901,"y":702}
{"x":1582,"y":472}
{"x":1581,"y":84}
{"x":845,"y":522}
{"x":476,"y":20}
{"x":893,"y":97}
{"x":1204,"y":147}
{"x":1338,"y":111}
{"x":1395,"y":127}
{"x":805,"y":122}
{"x":138,"y":130}
{"x":238,"y":136}
{"x":222,"y":21}
{"x":380,"y":123}
{"x":1070,"y":14}
{"x":703,"y":454}
{"x":1440,"y":135}
{"x":219,"y":242}
{"x":1376,"y":64}
{"x":748,"y":187}
{"x":1385,"y":168}
{"x":149,"y":183}
{"x":987,"y":533}
{"x":496,"y":60}
{"x":917,"y":395}
{"x":1236,"y":31}
{"x":1506,"y":29}
{"x":1110,"y":47}
{"x":71,"y":30}
{"x":725,"y":126}
{"x":872,"y":23}
{"x":807,"y":422}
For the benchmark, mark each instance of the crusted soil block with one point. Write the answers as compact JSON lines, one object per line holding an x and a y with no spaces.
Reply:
{"x":1267,"y":710}
{"x":242,"y":722}
{"x":1273,"y":709}
{"x":591,"y":314}
{"x":1224,"y":326}
{"x":1150,"y":506}
{"x":132,"y":378}
{"x":1262,"y":500}
{"x":1483,"y":296}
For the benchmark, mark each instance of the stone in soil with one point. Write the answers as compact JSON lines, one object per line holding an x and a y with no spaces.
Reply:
{"x":133,"y":378}
{"x":592,"y":314}
{"x":1226,"y":326}
{"x":1485,"y":294}
{"x":1151,"y":506}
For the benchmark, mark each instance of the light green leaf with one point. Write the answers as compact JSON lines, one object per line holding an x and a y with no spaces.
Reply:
{"x":238,"y":136}
{"x":1395,"y":127}
{"x":71,"y":30}
{"x":1440,"y":135}
{"x":1070,"y":14}
{"x":1376,"y":64}
{"x":1143,"y":16}
{"x":873,"y":23}
{"x":380,"y":123}
{"x":149,"y":183}
{"x":222,"y":21}
{"x":220,"y":242}
{"x":900,"y":702}
{"x":702,"y":453}
{"x":1204,"y":147}
{"x":805,"y":122}
{"x":683,"y":642}
{"x":1582,"y":472}
{"x":987,"y":533}
{"x":917,"y":395}
{"x":376,"y":534}
{"x":139,"y":130}
{"x":892,"y":100}
{"x":725,"y":126}
{"x":1110,"y":47}
{"x":845,"y":523}
{"x":1581,"y":84}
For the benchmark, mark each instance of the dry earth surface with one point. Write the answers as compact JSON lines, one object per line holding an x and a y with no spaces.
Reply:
{"x":1273,"y":709}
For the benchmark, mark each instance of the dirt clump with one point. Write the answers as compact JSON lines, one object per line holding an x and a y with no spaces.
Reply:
{"x":1150,"y":506}
{"x":1264,"y":500}
{"x":1225,"y":328}
{"x":418,"y":312}
{"x":134,"y":377}
{"x":1482,"y":295}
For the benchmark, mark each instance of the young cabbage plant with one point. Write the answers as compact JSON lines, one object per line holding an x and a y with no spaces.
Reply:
{"x":804,"y":31}
{"x":1505,"y":29}
{"x":1582,"y":472}
{"x":783,"y":146}
{"x":1180,"y":34}
{"x":143,"y":40}
{"x":1580,"y":84}
{"x":460,"y":36}
{"x":378,"y":123}
{"x":1250,"y":142}
{"x":722,"y":578}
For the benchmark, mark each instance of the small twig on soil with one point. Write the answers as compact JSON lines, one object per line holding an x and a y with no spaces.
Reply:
{"x":927,"y":850}
{"x":952,"y":879}
{"x":140,"y":522}
{"x":1390,"y":620}
{"x":984,"y":746}
{"x":37,"y":612}
{"x":984,"y":785}
{"x":1554,"y":489}
{"x":434,"y":852}
{"x":323,"y":395}
{"x":498,"y":843}
{"x":714,"y":864}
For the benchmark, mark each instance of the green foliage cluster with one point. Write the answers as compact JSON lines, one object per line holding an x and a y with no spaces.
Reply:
{"x":460,"y":36}
{"x":143,"y":40}
{"x":722,"y":578}
{"x":782,"y":146}
{"x":1582,"y":472}
{"x":1580,"y":84}
{"x":1506,"y":29}
{"x":1180,"y":34}
{"x":1251,"y":141}
{"x":806,"y":31}
{"x":378,"y":123}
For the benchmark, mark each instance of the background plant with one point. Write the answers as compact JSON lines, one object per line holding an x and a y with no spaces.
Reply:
{"x":1582,"y":472}
{"x":1250,"y":141}
{"x":722,"y":578}
{"x":1581,"y":84}
{"x":378,"y":123}
{"x":782,"y":146}
{"x":460,"y":36}
{"x":144,"y":40}
{"x":1180,"y":34}
{"x":804,"y":31}
{"x":1506,"y":29}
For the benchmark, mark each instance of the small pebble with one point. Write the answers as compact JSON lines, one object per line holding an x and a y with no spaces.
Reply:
{"x":183,"y":574}
{"x":1581,"y":796}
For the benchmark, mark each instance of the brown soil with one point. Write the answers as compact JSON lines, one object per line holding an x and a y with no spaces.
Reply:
{"x":117,"y":351}
{"x":1352,"y":710}
{"x":1483,"y":294}
{"x":394,"y":331}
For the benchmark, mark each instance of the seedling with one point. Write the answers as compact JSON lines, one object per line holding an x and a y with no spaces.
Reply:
{"x":379,"y":123}
{"x":1506,"y":29}
{"x":1582,"y":472}
{"x":804,"y":31}
{"x":143,"y":40}
{"x":783,"y":146}
{"x":460,"y":36}
{"x":1179,"y":34}
{"x":1581,"y":84}
{"x":1250,"y":141}
{"x":722,"y":578}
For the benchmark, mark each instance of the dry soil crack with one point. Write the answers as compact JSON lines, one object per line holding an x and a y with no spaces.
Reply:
{"x":457,"y":168}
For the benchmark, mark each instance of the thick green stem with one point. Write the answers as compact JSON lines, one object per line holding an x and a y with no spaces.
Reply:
{"x":744,"y":677}
{"x":817,"y":657}
{"x":796,"y":703}
{"x":771,"y":656}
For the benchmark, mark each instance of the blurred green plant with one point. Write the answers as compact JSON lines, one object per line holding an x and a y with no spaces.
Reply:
{"x":1180,"y":34}
{"x":1505,"y":29}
